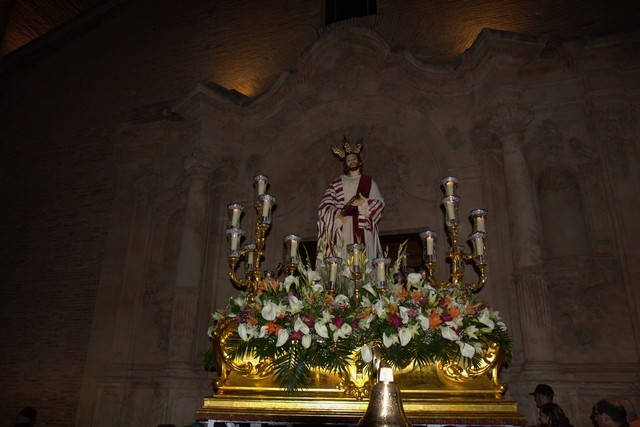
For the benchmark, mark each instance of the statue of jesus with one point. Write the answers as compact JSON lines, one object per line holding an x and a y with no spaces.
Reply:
{"x":350,"y":209}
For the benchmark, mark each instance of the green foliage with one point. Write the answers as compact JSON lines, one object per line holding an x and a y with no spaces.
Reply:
{"x":299,"y":326}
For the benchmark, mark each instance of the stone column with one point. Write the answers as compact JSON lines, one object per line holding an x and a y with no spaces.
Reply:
{"x":509,"y":123}
{"x":198,"y":166}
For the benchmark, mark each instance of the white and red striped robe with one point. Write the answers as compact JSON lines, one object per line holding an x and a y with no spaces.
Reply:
{"x":333,"y":234}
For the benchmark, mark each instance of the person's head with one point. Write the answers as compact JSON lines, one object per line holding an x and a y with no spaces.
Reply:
{"x":542,"y":394}
{"x":551,"y":414}
{"x":609,"y":413}
{"x":27,"y":414}
{"x":632,"y":414}
{"x":352,"y":162}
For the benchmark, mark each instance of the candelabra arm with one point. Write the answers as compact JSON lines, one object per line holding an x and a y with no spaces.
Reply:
{"x":357,"y":275}
{"x":240,"y":283}
{"x":292,"y":268}
{"x":482,"y":279}
{"x":249,"y":283}
{"x":456,"y":256}
{"x":431,"y":278}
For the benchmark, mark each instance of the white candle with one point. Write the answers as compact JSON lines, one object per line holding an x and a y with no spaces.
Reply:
{"x":479,"y":246}
{"x":235,"y":217}
{"x":250,"y":259}
{"x":380,"y":269}
{"x":480,"y":224}
{"x":334,"y":272}
{"x":294,"y":248}
{"x":262,"y":187}
{"x":451,"y":213}
{"x":266,"y":206}
{"x":430,"y":245}
{"x":448,"y":188}
{"x":356,"y":257}
{"x":234,"y":242}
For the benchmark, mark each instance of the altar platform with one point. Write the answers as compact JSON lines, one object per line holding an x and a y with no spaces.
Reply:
{"x":236,"y":423}
{"x":340,"y":413}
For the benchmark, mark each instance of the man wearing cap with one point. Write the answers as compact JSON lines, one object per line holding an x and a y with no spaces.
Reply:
{"x":542,"y":394}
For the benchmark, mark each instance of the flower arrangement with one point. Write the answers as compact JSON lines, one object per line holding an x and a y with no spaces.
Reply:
{"x":298,"y":325}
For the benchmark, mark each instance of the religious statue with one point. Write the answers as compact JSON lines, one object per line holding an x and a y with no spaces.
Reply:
{"x":350,"y":209}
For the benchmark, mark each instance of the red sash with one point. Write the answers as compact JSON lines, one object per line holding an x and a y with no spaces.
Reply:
{"x":364,"y":187}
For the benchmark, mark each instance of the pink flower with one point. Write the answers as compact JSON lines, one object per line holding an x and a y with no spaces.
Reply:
{"x":395,"y":320}
{"x":338,"y":321}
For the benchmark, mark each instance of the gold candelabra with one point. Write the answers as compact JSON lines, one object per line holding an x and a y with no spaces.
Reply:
{"x":252,"y":253}
{"x":456,"y":254}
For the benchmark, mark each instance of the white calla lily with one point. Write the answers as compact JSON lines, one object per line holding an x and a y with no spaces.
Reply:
{"x":264,"y":331}
{"x":321,"y":329}
{"x":314,"y":276}
{"x":269,"y":311}
{"x":283,"y":336}
{"x":242,"y":331}
{"x":449,"y":333}
{"x":306,"y":341}
{"x":290,"y":280}
{"x":388,"y":341}
{"x":405,"y":335}
{"x":486,"y":320}
{"x":317,"y":287}
{"x":342,"y":300}
{"x":466,"y":350}
{"x":345,"y":330}
{"x":299,"y":325}
{"x":414,"y":279}
{"x":370,"y":289}
{"x":424,"y":322}
{"x":379,"y":309}
{"x":366,"y":353}
{"x":404,"y":314}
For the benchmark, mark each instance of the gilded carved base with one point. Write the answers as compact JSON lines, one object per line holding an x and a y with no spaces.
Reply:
{"x":430,"y":394}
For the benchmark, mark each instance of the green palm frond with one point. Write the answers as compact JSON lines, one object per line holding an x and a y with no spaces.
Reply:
{"x":291,"y":368}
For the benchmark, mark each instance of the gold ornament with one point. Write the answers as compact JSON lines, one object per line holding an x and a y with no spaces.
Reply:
{"x":346,"y":148}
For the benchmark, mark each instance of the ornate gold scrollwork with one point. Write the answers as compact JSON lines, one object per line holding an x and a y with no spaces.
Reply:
{"x":225,"y":363}
{"x":357,"y":391}
{"x":489,"y":364}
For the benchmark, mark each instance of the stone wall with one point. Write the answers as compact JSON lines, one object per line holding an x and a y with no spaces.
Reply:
{"x":122,"y":148}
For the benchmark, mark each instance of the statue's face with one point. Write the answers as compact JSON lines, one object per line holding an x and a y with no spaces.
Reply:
{"x":352,"y":162}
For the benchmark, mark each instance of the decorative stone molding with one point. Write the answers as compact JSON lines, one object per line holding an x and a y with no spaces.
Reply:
{"x":482,"y":139}
{"x":508,"y":118}
{"x":198,"y":162}
{"x":546,"y":143}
